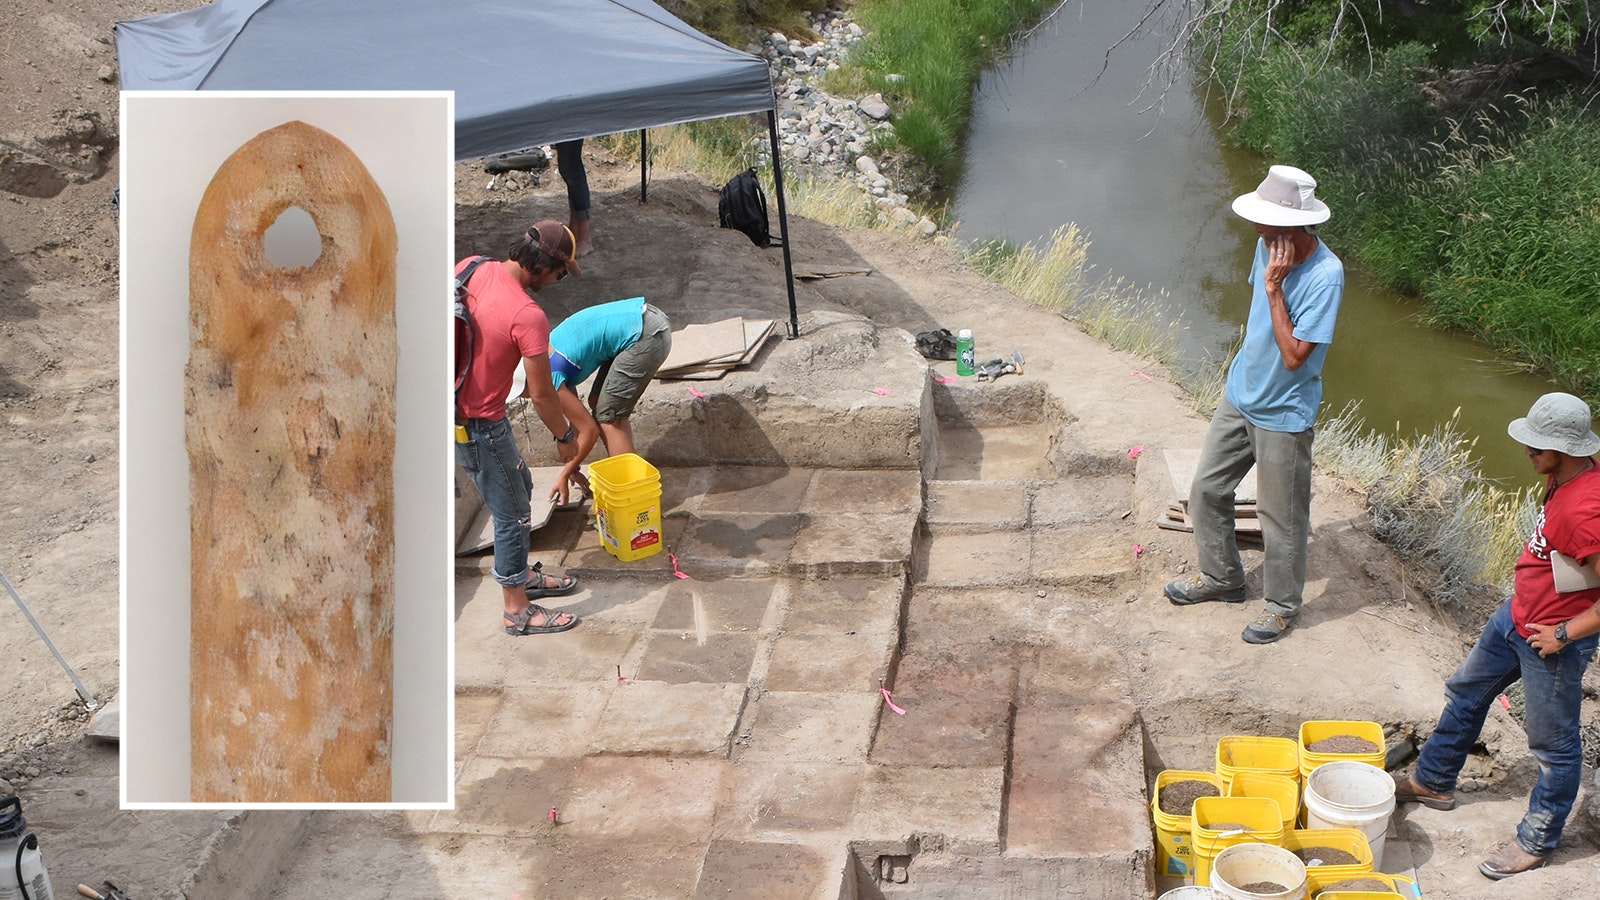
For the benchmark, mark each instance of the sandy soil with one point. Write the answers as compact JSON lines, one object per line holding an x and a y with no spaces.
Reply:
{"x":59,"y":384}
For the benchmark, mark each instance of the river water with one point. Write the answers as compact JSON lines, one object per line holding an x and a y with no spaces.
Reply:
{"x":1063,"y":134}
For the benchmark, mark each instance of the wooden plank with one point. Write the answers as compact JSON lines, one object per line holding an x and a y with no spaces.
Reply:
{"x":1181,"y":466}
{"x":698,"y":344}
{"x":290,"y":431}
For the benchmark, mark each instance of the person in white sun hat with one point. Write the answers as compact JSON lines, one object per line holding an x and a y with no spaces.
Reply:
{"x":1274,"y":386}
{"x":1544,"y":636}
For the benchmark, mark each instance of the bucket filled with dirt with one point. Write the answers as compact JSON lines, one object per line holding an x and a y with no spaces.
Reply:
{"x":1323,"y":741}
{"x":1172,"y":811}
{"x":1350,"y":794}
{"x":1223,"y":822}
{"x":1258,"y":872}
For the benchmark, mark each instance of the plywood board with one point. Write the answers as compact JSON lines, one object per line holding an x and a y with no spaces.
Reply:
{"x":698,"y":344}
{"x":1181,"y":466}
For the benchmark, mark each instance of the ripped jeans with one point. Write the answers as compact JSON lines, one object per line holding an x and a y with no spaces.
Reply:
{"x":490,"y":456}
{"x":1552,"y":690}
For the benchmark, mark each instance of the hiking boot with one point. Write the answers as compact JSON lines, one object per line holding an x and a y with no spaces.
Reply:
{"x":1407,"y":789}
{"x":1509,"y":861}
{"x":1266,"y":628}
{"x":1200,"y":589}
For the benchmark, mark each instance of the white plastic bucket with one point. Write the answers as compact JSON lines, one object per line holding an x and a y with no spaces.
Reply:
{"x":1191,"y":892}
{"x":1245,"y":864}
{"x":1351,"y":794}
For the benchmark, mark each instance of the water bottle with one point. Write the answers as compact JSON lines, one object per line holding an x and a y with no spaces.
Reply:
{"x":19,"y":857}
{"x":965,"y":355}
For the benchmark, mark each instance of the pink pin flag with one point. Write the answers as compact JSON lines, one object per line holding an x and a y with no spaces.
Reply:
{"x":1135,"y":450}
{"x":1504,"y":702}
{"x":881,"y":392}
{"x":944,"y":379}
{"x":552,"y":815}
{"x":694,"y":393}
{"x":676,"y":572}
{"x":1138,"y":374}
{"x":890,"y":700}
{"x":1138,"y":549}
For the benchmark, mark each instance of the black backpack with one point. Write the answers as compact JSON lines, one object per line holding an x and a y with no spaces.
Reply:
{"x":466,"y":330}
{"x":742,"y":206}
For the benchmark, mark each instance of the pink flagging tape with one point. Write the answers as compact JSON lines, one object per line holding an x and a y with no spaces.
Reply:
{"x":1138,"y":549}
{"x":1504,"y":702}
{"x":1138,"y":374}
{"x":676,"y":572}
{"x":694,"y":393}
{"x":945,"y":379}
{"x":1135,"y":450}
{"x":890,"y":700}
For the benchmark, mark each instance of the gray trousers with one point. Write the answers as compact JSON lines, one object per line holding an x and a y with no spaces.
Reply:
{"x":1283,"y":503}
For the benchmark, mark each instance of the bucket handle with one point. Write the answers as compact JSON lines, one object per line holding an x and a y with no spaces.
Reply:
{"x":30,"y":842}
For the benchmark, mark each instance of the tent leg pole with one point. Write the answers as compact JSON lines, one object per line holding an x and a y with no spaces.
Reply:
{"x":783,"y":220}
{"x":644,"y":168}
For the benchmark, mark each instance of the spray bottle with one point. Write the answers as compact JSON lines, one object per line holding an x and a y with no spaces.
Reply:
{"x":22,"y":874}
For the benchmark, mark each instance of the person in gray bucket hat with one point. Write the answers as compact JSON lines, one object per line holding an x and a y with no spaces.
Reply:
{"x":1544,"y":636}
{"x":1269,"y":402}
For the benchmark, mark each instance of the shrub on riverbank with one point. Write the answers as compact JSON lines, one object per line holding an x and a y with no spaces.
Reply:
{"x":1488,"y":214}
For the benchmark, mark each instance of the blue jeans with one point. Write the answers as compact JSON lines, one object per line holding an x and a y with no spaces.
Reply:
{"x":1552,"y":688}
{"x":490,"y":456}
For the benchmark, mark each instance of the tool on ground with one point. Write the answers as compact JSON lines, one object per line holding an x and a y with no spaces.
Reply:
{"x":22,"y":872}
{"x":83,"y":692}
{"x":996,"y":367}
{"x":113,"y":892}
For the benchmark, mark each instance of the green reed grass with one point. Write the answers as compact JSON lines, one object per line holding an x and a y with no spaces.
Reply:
{"x":1428,"y":501}
{"x":925,"y":57}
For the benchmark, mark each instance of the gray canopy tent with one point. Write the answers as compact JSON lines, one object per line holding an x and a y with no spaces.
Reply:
{"x":524,"y":72}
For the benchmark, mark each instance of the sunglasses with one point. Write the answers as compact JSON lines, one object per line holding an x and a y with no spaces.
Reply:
{"x":562,"y":274}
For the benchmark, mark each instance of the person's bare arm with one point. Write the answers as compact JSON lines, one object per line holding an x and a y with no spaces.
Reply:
{"x":588,"y":431}
{"x":542,"y":394}
{"x":1581,"y":625}
{"x":1280,"y":259}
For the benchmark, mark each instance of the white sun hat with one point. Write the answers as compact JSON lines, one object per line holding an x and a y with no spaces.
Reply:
{"x":1557,"y":421}
{"x":1286,"y":197}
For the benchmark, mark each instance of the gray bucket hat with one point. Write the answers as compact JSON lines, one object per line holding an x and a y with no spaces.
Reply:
{"x":1559,"y":422}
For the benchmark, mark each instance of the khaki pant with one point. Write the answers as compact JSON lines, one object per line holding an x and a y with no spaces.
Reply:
{"x":1283,"y":504}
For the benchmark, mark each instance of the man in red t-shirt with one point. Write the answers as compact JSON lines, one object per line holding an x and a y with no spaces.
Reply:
{"x":1545,"y":636}
{"x":512,"y":330}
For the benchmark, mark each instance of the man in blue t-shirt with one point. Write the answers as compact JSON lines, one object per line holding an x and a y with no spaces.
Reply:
{"x":1273,"y":389}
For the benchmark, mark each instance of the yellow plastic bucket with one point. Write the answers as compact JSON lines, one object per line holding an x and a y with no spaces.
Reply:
{"x":1272,"y":755}
{"x":1312,"y":732}
{"x":627,"y":505}
{"x":1350,"y":840}
{"x":1280,"y":788}
{"x":1174,"y":833}
{"x":1359,"y":895}
{"x":1259,"y":816}
{"x":1322,"y":883}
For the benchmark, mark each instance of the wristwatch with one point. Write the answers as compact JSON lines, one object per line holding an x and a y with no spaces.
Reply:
{"x":1561,"y":633}
{"x":567,"y":438}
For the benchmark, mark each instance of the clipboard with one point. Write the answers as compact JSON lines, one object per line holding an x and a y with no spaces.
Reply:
{"x":1572,"y":575}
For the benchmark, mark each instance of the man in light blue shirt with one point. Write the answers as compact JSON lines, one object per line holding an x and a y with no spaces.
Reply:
{"x":1265,"y":419}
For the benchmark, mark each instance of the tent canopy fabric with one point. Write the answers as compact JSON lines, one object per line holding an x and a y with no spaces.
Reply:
{"x":524,"y":73}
